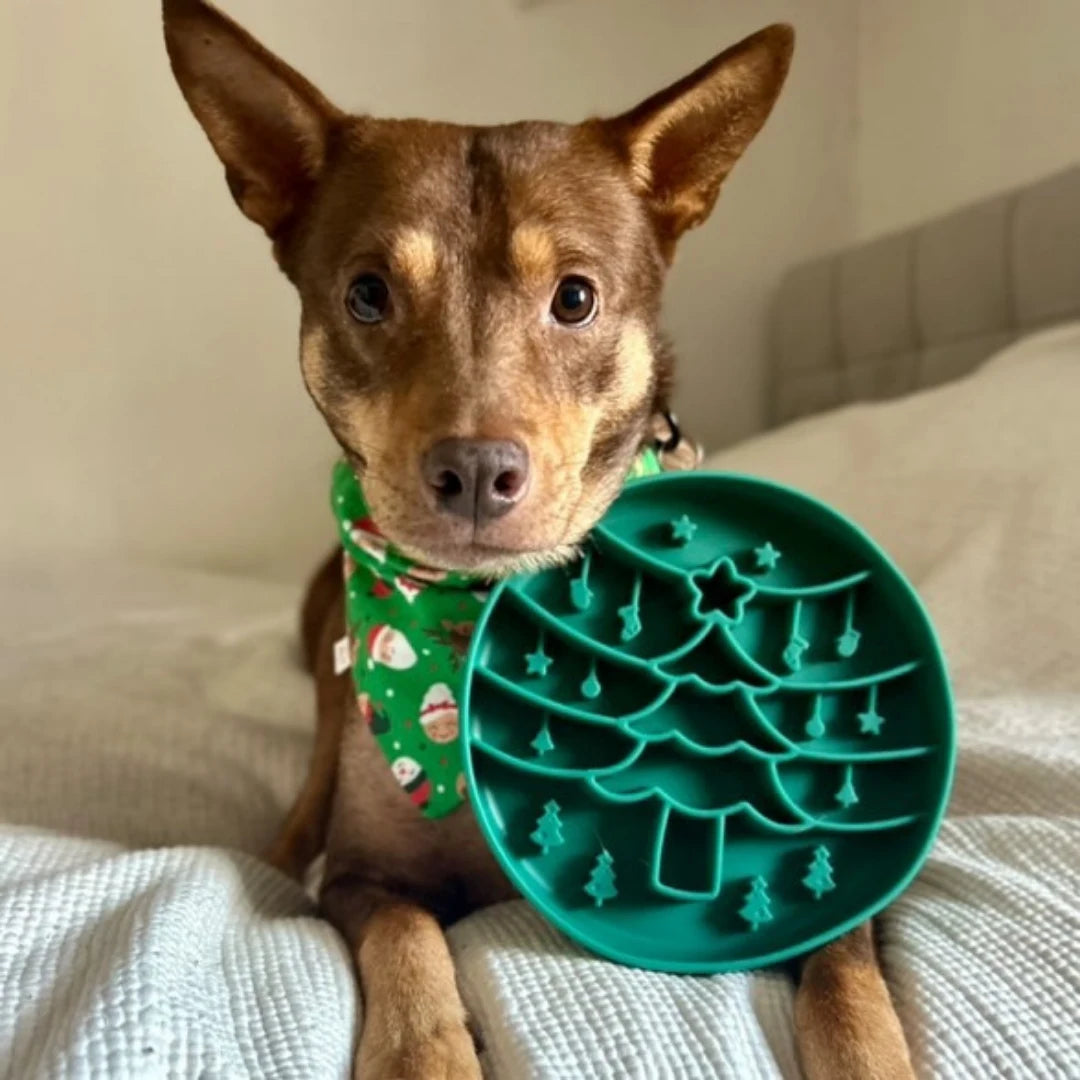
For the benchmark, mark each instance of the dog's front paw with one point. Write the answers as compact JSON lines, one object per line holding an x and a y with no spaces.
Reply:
{"x":445,"y":1054}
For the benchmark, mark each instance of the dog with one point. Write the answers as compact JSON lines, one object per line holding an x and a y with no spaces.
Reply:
{"x":479,"y":331}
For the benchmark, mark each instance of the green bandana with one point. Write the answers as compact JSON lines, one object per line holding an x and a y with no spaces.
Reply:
{"x":409,"y":628}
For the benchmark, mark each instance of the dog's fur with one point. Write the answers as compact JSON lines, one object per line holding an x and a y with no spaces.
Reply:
{"x":473,"y":228}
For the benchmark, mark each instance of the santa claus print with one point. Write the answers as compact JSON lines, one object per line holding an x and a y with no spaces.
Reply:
{"x":409,"y":588}
{"x":381,"y":590}
{"x":413,"y":780}
{"x":439,"y":714}
{"x":390,"y":648}
{"x":366,"y":536}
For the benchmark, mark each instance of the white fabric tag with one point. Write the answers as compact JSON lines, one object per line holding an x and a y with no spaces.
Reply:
{"x":342,"y":660}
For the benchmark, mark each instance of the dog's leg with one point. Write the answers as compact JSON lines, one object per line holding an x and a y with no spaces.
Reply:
{"x":323,"y":592}
{"x":414,"y":1024}
{"x":303,"y":835}
{"x":845,"y":1023}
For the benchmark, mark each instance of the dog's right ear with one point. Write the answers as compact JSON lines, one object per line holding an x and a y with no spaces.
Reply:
{"x":681,"y":143}
{"x":269,"y":126}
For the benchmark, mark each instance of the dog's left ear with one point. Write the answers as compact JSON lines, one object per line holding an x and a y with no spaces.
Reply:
{"x":681,"y":143}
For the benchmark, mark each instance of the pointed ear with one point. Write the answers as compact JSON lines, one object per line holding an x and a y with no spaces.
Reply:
{"x":268,"y":124}
{"x":682,"y":142}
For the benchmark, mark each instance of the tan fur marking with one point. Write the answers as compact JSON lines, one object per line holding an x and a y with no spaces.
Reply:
{"x":845,"y":1023}
{"x":414,"y":1021}
{"x":532,"y":248}
{"x":416,"y":256}
{"x":635,"y":366}
{"x":367,"y":420}
{"x":313,"y":357}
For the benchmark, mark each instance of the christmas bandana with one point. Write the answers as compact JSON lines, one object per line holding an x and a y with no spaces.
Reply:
{"x":409,"y":629}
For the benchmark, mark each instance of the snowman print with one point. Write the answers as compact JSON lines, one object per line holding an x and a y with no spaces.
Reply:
{"x":367,"y":538}
{"x":413,"y":780}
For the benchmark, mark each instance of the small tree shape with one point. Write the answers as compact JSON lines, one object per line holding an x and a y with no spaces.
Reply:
{"x":548,"y":832}
{"x":601,"y":885}
{"x":756,"y":910}
{"x":543,"y":743}
{"x":819,"y":878}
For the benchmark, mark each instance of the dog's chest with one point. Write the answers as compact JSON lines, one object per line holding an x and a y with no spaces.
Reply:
{"x":378,"y":833}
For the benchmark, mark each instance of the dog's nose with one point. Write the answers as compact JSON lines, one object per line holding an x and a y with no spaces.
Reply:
{"x":480,"y":479}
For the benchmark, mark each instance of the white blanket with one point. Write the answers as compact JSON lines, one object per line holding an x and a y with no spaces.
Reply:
{"x":143,"y":708}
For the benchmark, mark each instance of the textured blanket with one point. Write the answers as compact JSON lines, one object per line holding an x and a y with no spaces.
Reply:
{"x":154,"y":724}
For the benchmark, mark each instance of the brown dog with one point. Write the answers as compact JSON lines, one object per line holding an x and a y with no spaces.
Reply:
{"x":479,"y":331}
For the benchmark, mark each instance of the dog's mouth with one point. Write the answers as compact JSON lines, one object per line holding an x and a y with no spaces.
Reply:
{"x":480,"y":558}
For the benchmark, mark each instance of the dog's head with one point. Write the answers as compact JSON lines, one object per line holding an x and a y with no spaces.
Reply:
{"x":480,"y":304}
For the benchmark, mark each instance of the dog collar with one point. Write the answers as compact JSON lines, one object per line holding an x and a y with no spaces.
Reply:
{"x":408,"y":628}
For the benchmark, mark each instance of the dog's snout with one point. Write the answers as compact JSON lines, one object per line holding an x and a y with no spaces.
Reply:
{"x":481,"y":479}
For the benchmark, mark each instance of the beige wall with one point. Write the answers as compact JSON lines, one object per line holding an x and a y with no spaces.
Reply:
{"x":151,"y":401}
{"x":959,"y":99}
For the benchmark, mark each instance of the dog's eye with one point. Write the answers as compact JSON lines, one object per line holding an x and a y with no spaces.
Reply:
{"x":368,"y":298}
{"x":574,"y":303}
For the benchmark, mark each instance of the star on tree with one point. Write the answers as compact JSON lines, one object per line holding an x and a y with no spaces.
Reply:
{"x":683,"y":529}
{"x":722,"y":592}
{"x":537,"y":662}
{"x":870,"y":722}
{"x":766,"y":557}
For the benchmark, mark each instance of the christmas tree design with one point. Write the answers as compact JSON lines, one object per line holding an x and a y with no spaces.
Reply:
{"x":601,"y":883}
{"x":742,"y":718}
{"x":757,"y":907}
{"x":548,"y":832}
{"x":819,"y":879}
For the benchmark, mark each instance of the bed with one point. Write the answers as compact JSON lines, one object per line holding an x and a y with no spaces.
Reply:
{"x":155,"y":724}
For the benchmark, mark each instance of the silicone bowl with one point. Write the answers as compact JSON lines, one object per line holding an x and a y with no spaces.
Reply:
{"x":722,"y":738}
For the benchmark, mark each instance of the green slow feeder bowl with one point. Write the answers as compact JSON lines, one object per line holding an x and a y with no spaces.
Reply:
{"x":720,"y":739}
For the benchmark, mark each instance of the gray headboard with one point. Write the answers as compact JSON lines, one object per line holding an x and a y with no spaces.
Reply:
{"x":927,"y":305}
